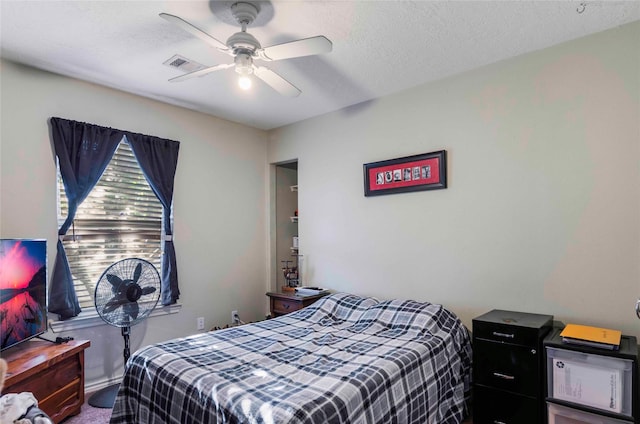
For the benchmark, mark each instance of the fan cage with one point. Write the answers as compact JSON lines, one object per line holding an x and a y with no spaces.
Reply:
{"x":105,"y":291}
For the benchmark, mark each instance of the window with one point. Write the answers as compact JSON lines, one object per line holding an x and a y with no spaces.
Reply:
{"x":121,"y":218}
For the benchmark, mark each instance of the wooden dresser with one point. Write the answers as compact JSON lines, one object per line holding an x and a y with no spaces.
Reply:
{"x":283,"y":303}
{"x":54,"y":373}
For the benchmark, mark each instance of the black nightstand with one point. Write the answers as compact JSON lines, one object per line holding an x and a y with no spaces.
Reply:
{"x":508,"y":377}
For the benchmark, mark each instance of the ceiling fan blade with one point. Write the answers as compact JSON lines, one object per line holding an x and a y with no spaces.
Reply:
{"x":202,"y":72}
{"x":305,"y":47}
{"x":276,"y":82}
{"x":194,"y":31}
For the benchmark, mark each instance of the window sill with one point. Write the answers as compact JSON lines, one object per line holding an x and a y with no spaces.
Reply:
{"x":92,"y":319}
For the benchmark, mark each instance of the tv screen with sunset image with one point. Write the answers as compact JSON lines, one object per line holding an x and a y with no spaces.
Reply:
{"x":23,"y":290}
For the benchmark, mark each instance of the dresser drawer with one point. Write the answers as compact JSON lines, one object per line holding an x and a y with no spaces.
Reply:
{"x":508,"y":367}
{"x":493,"y":406}
{"x":52,"y":379}
{"x":65,"y":399}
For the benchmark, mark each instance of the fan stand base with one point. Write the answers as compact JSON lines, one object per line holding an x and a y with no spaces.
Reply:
{"x":105,"y":398}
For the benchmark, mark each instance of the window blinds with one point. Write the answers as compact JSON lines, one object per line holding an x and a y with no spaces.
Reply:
{"x":121,"y":218}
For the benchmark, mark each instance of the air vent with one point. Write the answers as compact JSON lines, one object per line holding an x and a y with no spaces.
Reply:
{"x":178,"y":63}
{"x":184,"y":64}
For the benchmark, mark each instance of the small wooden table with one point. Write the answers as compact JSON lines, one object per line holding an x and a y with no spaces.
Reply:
{"x":54,"y":373}
{"x":283,"y":303}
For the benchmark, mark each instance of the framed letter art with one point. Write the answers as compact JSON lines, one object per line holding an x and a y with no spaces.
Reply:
{"x":427,"y":171}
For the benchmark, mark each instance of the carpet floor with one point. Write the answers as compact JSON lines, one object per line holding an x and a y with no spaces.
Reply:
{"x":89,"y":414}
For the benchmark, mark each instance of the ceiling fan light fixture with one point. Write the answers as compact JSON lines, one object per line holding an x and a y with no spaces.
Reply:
{"x":244,"y":64}
{"x":244,"y":67}
{"x":244,"y":82}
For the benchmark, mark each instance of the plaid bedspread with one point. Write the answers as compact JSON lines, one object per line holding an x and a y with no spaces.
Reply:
{"x":344,"y":359}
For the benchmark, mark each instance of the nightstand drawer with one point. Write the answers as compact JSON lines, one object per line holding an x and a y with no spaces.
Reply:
{"x":284,"y":306}
{"x":505,"y":408}
{"x":284,"y":303}
{"x":508,"y":367}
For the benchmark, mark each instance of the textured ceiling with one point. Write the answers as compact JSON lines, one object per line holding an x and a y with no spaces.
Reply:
{"x":379,"y":47}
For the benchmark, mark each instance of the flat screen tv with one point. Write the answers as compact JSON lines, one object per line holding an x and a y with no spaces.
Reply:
{"x":23,"y":290}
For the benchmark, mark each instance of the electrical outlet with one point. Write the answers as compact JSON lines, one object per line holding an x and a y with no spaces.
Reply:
{"x":200,"y":323}
{"x":235,"y":318}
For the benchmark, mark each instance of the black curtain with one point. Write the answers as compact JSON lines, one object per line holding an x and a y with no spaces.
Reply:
{"x":158,"y":159}
{"x":84,"y":151}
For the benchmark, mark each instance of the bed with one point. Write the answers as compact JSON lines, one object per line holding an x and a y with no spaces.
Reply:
{"x":344,"y":359}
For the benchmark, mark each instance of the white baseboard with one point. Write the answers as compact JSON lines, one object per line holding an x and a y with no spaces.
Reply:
{"x":94,"y":386}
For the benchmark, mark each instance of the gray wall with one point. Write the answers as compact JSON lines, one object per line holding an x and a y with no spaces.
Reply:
{"x":542,"y":213}
{"x":219,"y":203}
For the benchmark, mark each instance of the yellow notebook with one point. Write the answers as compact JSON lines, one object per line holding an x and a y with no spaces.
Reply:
{"x":593,"y":334}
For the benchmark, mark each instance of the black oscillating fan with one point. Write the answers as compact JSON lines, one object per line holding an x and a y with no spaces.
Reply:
{"x":125,"y":294}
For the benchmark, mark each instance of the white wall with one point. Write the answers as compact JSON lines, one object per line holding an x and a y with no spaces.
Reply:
{"x":542,"y":213}
{"x":219,"y":202}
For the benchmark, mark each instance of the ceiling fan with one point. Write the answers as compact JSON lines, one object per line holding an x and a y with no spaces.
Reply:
{"x":245,"y":48}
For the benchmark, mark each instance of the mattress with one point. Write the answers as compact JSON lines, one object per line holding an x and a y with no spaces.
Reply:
{"x":344,"y":359}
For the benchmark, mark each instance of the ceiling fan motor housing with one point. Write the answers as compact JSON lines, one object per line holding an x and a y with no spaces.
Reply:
{"x":243,"y":41}
{"x":245,"y":12}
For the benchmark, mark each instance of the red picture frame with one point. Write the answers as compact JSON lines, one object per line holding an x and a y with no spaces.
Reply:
{"x":427,"y":171}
